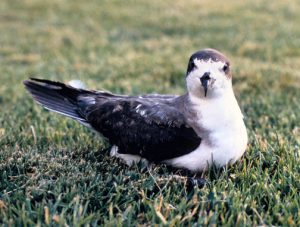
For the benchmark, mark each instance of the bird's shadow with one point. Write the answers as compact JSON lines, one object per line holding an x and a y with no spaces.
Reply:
{"x":161,"y":174}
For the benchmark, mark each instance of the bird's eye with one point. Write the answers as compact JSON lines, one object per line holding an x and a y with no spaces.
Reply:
{"x":226,"y":68}
{"x":192,"y":64}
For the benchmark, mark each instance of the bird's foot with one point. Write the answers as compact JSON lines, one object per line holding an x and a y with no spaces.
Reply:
{"x":196,"y":182}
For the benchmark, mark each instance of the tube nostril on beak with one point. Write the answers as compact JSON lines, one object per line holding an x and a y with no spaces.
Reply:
{"x":204,"y":81}
{"x":206,"y":76}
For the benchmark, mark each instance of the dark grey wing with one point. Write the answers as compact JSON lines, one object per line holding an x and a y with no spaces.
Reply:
{"x":148,"y":125}
{"x":154,"y":131}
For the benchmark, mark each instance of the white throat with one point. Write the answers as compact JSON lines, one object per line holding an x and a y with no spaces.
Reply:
{"x":212,"y":113}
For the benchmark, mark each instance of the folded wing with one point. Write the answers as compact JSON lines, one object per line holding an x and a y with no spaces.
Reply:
{"x":156,"y":132}
{"x":150,"y":126}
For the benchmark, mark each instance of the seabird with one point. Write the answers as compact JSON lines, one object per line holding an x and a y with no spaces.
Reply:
{"x":193,"y":131}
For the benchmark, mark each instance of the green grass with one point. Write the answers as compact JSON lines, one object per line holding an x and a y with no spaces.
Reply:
{"x":54,"y":171}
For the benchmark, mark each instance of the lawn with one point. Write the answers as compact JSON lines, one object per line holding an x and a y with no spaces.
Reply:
{"x":54,"y":171}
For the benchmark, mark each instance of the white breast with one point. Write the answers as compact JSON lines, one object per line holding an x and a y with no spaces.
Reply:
{"x":219,"y":122}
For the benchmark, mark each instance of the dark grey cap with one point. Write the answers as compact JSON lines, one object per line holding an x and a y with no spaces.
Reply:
{"x":205,"y":55}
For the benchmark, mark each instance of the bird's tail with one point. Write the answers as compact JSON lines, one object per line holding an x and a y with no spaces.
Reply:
{"x":58,"y":97}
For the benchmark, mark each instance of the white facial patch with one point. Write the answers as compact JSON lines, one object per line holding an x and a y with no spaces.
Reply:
{"x":217,"y":84}
{"x":214,"y":67}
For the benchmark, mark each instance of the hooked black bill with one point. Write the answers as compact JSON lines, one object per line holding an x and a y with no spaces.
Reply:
{"x":204,"y":81}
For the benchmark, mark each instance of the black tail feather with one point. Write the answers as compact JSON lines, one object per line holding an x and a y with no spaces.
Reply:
{"x":56,"y":97}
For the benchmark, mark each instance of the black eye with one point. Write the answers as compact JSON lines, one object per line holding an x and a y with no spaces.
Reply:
{"x":192,"y":64}
{"x":226,"y":68}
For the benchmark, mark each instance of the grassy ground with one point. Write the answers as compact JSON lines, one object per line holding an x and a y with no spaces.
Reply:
{"x":54,"y":171}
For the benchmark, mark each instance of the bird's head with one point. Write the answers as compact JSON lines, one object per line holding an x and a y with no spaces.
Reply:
{"x":208,"y":74}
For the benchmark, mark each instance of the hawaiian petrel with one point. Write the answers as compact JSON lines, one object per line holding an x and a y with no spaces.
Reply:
{"x":192,"y":131}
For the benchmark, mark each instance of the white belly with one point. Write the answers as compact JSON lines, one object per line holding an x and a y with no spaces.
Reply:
{"x":224,"y":137}
{"x":220,"y":153}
